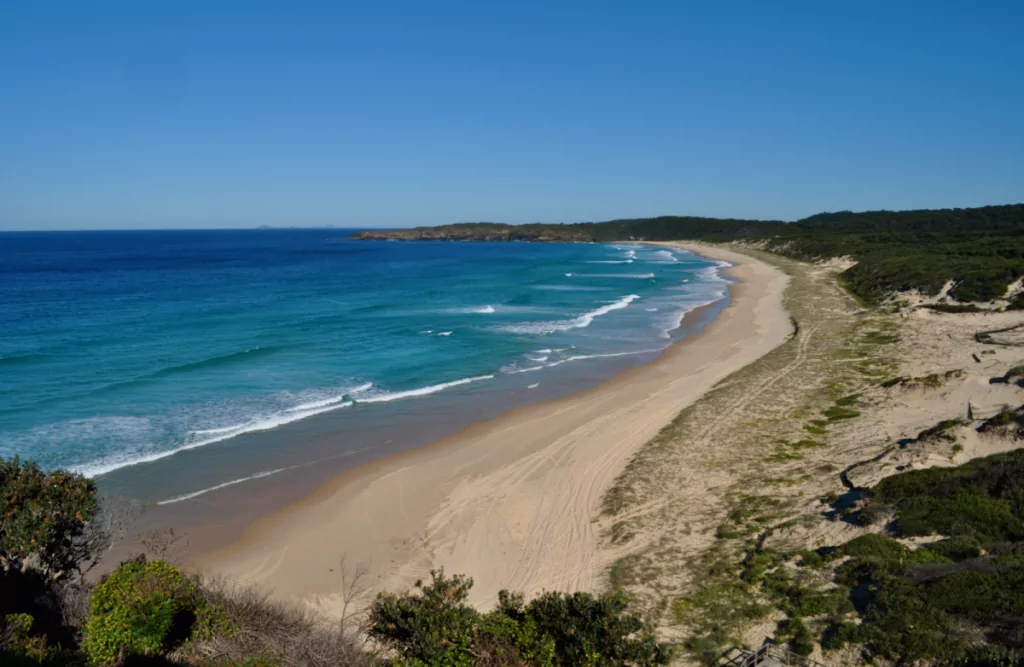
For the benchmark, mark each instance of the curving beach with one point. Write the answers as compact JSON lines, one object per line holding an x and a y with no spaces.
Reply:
{"x":512,"y":501}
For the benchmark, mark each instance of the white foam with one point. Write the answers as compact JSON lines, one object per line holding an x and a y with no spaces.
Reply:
{"x":538,"y":359}
{"x":544,"y":351}
{"x":484,"y":309}
{"x":515,"y":370}
{"x":579,"y":322}
{"x":611,"y":354}
{"x":663,"y":257}
{"x":533,"y":386}
{"x":568,"y":275}
{"x":201,"y":438}
{"x":610,"y":261}
{"x":651,"y":310}
{"x":427,"y":331}
{"x":194,"y":494}
{"x":195,"y":439}
{"x":313,"y":405}
{"x":615,"y":275}
{"x":444,"y":333}
{"x":386,"y":397}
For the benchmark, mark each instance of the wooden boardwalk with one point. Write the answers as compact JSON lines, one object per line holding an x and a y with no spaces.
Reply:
{"x":769,"y":655}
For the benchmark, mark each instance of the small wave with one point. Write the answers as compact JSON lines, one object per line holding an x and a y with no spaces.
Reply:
{"x":651,"y":310}
{"x":569,"y":288}
{"x":313,"y":405}
{"x":203,"y":437}
{"x":581,"y":357}
{"x":610,"y":261}
{"x":444,"y":333}
{"x":544,"y":351}
{"x":387,"y":397}
{"x":568,"y":275}
{"x":584,"y":320}
{"x":664,"y":257}
{"x":537,"y":359}
{"x":218,"y":360}
{"x":484,"y":310}
{"x":615,"y":275}
{"x":427,"y":331}
{"x":515,"y":370}
{"x":533,"y":386}
{"x":195,"y":494}
{"x":711,"y":273}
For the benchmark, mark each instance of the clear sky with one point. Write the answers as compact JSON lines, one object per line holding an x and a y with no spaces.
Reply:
{"x":161,"y":114}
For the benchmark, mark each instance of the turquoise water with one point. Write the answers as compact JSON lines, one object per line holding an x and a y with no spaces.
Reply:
{"x":124,"y":355}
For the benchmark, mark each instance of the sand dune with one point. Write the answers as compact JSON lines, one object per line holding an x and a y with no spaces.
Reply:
{"x":511,"y":502}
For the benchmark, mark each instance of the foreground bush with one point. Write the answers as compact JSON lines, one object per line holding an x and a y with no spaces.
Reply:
{"x":144,"y":608}
{"x":43,"y":517}
{"x":436,"y":627}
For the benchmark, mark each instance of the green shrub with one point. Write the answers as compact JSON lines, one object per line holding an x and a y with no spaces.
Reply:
{"x":957,"y":548}
{"x":435,"y":626}
{"x":144,"y":608}
{"x":983,"y":498}
{"x":595,"y":630}
{"x":42,"y":516}
{"x":875,"y":548}
{"x":795,"y":630}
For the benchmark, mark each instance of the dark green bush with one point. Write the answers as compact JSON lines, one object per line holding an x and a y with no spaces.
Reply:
{"x":954,"y":308}
{"x":983,"y":499}
{"x":144,"y":608}
{"x":435,"y":626}
{"x":875,"y":548}
{"x":42,"y":516}
{"x":595,"y":630}
{"x":957,"y":548}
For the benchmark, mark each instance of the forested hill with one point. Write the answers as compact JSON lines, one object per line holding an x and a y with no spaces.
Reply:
{"x":980,"y":249}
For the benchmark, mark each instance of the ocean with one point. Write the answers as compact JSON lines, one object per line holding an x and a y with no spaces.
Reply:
{"x":172,"y":364}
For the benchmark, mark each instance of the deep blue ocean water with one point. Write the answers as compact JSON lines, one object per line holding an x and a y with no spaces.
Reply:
{"x":124,"y":350}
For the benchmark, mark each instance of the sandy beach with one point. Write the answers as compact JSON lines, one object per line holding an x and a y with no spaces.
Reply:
{"x":512,"y":502}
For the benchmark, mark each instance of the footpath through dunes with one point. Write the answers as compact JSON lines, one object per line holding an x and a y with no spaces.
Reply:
{"x":512,"y":502}
{"x":713,"y":527}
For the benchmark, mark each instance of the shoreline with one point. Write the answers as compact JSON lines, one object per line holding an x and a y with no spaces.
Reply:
{"x":511,"y":501}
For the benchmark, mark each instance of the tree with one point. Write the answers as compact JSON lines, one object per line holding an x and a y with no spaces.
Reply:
{"x":43,"y":517}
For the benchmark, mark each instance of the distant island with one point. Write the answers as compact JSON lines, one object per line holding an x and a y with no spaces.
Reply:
{"x":968,"y":254}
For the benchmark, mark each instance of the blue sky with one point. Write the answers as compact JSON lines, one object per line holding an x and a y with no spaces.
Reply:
{"x":235,"y":114}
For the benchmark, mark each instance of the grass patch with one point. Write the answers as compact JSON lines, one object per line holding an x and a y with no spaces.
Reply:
{"x":878,"y":338}
{"x":847,"y":401}
{"x":817,"y":426}
{"x":838,"y":413}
